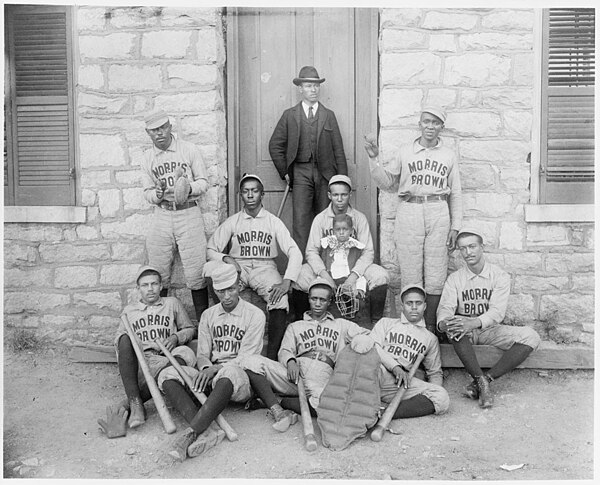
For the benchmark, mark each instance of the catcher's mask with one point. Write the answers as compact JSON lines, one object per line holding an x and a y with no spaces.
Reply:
{"x":346,"y":299}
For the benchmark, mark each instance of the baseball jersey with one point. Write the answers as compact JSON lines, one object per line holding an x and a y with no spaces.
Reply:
{"x":399,"y":342}
{"x":160,"y":165}
{"x":323,"y":226}
{"x":424,"y":171}
{"x":226,"y":336}
{"x":159,"y":321}
{"x":255,"y":238}
{"x":328,"y":336}
{"x":483,"y":295}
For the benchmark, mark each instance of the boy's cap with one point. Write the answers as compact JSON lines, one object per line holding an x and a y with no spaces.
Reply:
{"x":409,"y":287}
{"x":336,"y":179}
{"x":144,"y":269}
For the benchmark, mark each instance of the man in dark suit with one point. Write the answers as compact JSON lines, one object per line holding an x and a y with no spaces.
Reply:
{"x":307,"y":150}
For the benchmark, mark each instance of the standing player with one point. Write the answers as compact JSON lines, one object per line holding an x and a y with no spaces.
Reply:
{"x":473,"y":304}
{"x":430,"y":207}
{"x":174,"y":177}
{"x":254,"y":234}
{"x":227,"y":333}
{"x":399,"y":341}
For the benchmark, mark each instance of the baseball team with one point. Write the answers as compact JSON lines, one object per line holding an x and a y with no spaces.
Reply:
{"x":330,"y":264}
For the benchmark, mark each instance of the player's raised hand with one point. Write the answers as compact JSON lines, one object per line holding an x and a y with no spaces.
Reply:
{"x":277,"y":291}
{"x":371,"y":145}
{"x":293,"y":371}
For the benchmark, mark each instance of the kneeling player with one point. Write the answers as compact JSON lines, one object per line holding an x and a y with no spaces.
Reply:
{"x":398,"y":342}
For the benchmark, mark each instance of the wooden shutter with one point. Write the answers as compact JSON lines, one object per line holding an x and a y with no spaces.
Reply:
{"x":39,"y":106}
{"x":568,"y":111}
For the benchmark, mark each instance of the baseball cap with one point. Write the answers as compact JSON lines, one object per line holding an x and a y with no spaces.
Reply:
{"x":247,"y":176}
{"x":407,"y":288}
{"x":470,"y":230}
{"x":156,"y":119}
{"x":223,"y":275}
{"x":436,"y":111}
{"x":318,"y":281}
{"x":145,"y":269}
{"x":336,"y":179}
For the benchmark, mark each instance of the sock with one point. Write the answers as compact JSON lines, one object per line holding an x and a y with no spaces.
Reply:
{"x":510,"y":360}
{"x":432,"y":302}
{"x":180,"y":399}
{"x":200,"y":299}
{"x":261,"y":386}
{"x":293,"y":403}
{"x":277,"y":326}
{"x":377,"y":297}
{"x":164,"y":292}
{"x":466,"y":353}
{"x":414,"y":407}
{"x":128,"y":368}
{"x":216,"y":402}
{"x":301,"y":305}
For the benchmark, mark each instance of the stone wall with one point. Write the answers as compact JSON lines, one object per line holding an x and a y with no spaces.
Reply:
{"x":71,"y":281}
{"x":478,"y":64}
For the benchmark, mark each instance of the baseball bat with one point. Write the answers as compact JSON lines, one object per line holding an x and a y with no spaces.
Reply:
{"x":159,"y":402}
{"x":285,"y":196}
{"x":388,"y":415}
{"x":307,"y":424}
{"x":229,"y":431}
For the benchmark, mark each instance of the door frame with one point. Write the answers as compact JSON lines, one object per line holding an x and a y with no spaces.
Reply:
{"x":366,"y":62}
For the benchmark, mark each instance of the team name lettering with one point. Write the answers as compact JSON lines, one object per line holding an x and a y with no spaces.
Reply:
{"x":329,"y":232}
{"x":436,"y":179}
{"x":249,"y":244}
{"x":152,"y":334}
{"x":324,"y":338}
{"x":164,"y":320}
{"x":227,"y":345}
{"x":231,"y":331}
{"x":472,"y":303}
{"x":165,"y":170}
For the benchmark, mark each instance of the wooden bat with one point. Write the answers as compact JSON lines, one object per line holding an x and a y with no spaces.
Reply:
{"x":159,"y":402}
{"x":307,"y":424}
{"x":388,"y":415}
{"x":225,"y":426}
{"x":285,"y":196}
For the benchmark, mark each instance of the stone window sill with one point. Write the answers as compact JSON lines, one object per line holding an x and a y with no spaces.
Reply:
{"x":45,"y":214}
{"x":559,"y":213}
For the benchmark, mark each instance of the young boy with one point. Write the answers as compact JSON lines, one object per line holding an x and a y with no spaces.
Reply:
{"x":152,"y":317}
{"x":398,"y":342}
{"x":309,"y":349}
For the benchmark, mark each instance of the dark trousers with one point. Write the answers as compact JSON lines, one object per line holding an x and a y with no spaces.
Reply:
{"x":309,"y":196}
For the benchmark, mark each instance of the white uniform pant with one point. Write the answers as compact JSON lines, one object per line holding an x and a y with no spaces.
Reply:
{"x":374,"y":274}
{"x":183,"y":230}
{"x":260,"y":275}
{"x":421,"y":232}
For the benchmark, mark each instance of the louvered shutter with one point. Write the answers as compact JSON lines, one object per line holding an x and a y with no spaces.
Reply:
{"x":568,"y":106}
{"x":40,"y":115}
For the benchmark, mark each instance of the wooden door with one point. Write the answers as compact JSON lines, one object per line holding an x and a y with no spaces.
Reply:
{"x":265,"y":50}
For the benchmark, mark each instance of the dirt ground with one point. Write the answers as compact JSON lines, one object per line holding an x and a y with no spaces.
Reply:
{"x":542,"y":420}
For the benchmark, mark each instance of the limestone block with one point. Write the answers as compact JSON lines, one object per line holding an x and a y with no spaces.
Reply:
{"x":400,"y":17}
{"x":411,"y":68}
{"x":16,"y":254}
{"x":94,"y":178}
{"x":27,"y":277}
{"x":118,"y":274}
{"x":517,"y":124}
{"x":132,"y":17}
{"x":474,"y":123}
{"x":135,"y":226}
{"x":203,"y":129}
{"x":494,"y":258}
{"x":134,"y":78}
{"x":588,"y":240}
{"x":399,"y":104}
{"x":196,"y":101}
{"x":129,"y":177}
{"x":109,"y":202}
{"x":477,"y":176}
{"x":88,"y":197}
{"x":547,"y":235}
{"x":70,"y":253}
{"x":401,"y":40}
{"x":523,"y":66}
{"x":33,"y":301}
{"x":105,"y":323}
{"x":523,"y":262}
{"x":112,"y":46}
{"x":208,"y":46}
{"x":477,"y":70}
{"x":540,"y":284}
{"x":101,"y":150}
{"x":495,"y":41}
{"x":93,"y":214}
{"x":567,"y":309}
{"x":32,"y":232}
{"x":486,"y":204}
{"x":506,"y":20}
{"x":498,"y":151}
{"x":174,"y":16}
{"x":500,"y":98}
{"x":570,"y":263}
{"x":520,"y":309}
{"x":86,"y":233}
{"x":90,"y":18}
{"x":110,"y":125}
{"x":211,"y":222}
{"x":182,"y":75}
{"x":172,"y":44}
{"x":445,"y":20}
{"x":88,"y":103}
{"x":99,"y":300}
{"x":134,"y":199}
{"x":128,"y":252}
{"x":90,"y":76}
{"x":512,"y":235}
{"x":442,"y":43}
{"x":443,"y":97}
{"x":515,"y":179}
{"x":132,"y":295}
{"x":584,"y":282}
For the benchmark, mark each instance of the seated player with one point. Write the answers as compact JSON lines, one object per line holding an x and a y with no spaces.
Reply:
{"x":473,"y":304}
{"x":152,"y":317}
{"x":255,"y":235}
{"x":309,"y":351}
{"x":399,"y":341}
{"x":227,"y":332}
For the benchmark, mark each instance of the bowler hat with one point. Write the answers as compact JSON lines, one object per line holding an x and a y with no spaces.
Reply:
{"x":308,"y":74}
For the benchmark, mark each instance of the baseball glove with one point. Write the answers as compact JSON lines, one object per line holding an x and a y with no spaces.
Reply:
{"x":346,"y":299}
{"x":182,"y":187}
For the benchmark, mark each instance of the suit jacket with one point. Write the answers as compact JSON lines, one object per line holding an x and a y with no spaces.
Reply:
{"x":283,"y":145}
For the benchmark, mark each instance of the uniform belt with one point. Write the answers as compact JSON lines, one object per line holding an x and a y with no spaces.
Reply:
{"x":172,"y":206}
{"x":421,"y":199}
{"x":316,"y":355}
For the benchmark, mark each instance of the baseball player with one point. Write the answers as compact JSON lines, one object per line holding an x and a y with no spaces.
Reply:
{"x":309,"y":350}
{"x":340,"y":188}
{"x":152,"y":317}
{"x":254,"y":235}
{"x":399,"y":341}
{"x":429,"y":211}
{"x":174,"y":178}
{"x":228,"y":331}
{"x":473,"y":304}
